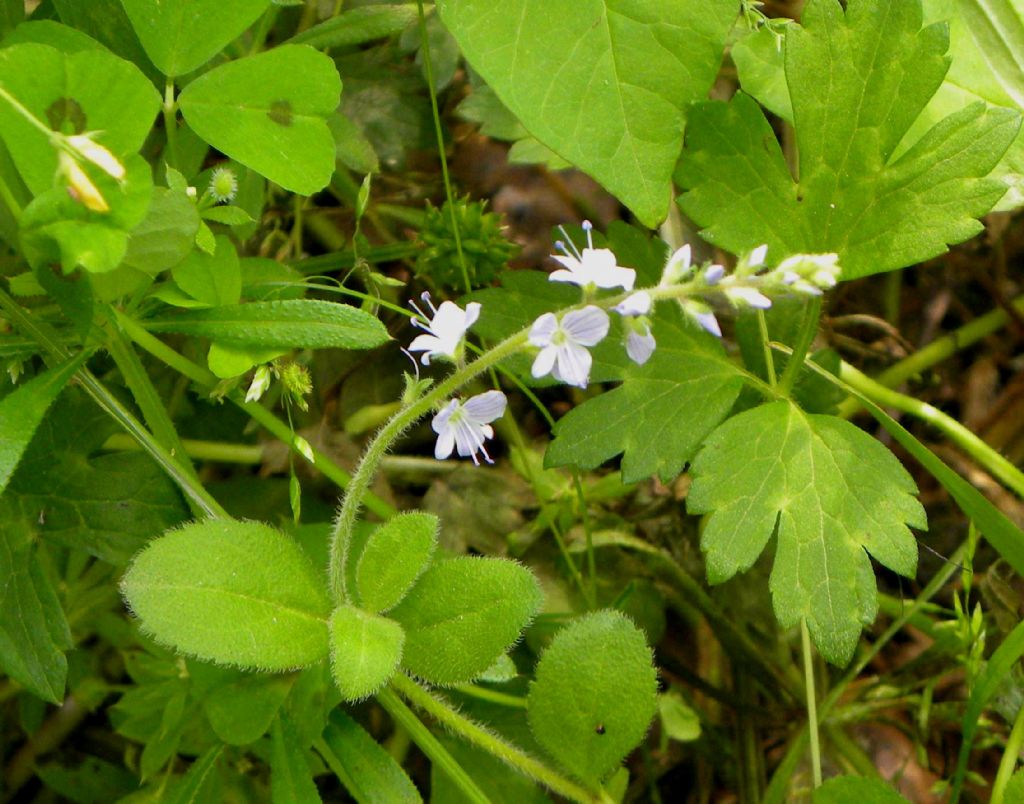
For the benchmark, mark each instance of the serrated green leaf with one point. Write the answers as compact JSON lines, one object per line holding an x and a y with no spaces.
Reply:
{"x":357,"y":26}
{"x":856,"y":790}
{"x":984,"y":38}
{"x":22,"y":410}
{"x":67,"y":492}
{"x":238,"y":593}
{"x":33,"y":631}
{"x":55,"y":228}
{"x":662,"y":411}
{"x":365,"y":651}
{"x":369,"y":773}
{"x":395,"y":555}
{"x":181,"y":35}
{"x":594,"y":695}
{"x":877,"y":211}
{"x":214,"y":279}
{"x":298,"y":324}
{"x":602,"y":83}
{"x":831,"y":493}
{"x":166,"y":235}
{"x":270,"y":113}
{"x":759,"y":57}
{"x":291,"y":780}
{"x":90,"y":90}
{"x":464,"y":613}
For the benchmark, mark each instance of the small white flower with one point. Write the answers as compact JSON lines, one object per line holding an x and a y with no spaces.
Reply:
{"x":757,"y":256}
{"x":564,"y":344}
{"x":446,"y":328}
{"x":749,"y":297}
{"x":594,"y":266}
{"x":637,"y":304}
{"x":259,"y":385}
{"x":464,"y":426}
{"x":702,"y":315}
{"x":713,"y":275}
{"x":640,"y":342}
{"x":678,"y":267}
{"x":84,"y":146}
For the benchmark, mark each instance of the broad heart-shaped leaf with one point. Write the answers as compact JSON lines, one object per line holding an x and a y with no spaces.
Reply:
{"x":91,"y":90}
{"x":662,"y":411}
{"x":239,"y":593}
{"x":365,"y":651}
{"x":594,"y":695}
{"x":464,"y":613}
{"x":394,"y":557}
{"x":368,"y":771}
{"x":830,"y":492}
{"x":856,"y":80}
{"x":33,"y":631}
{"x":23,"y":409}
{"x":270,"y":113}
{"x":856,"y":790}
{"x":65,"y":492}
{"x":57,"y":229}
{"x":602,"y":83}
{"x":294,"y":323}
{"x":181,"y":35}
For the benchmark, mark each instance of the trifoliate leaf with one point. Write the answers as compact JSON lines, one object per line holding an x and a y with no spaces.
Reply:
{"x":602,"y":84}
{"x":851,"y":109}
{"x":830,"y":492}
{"x":662,"y":411}
{"x":594,"y":695}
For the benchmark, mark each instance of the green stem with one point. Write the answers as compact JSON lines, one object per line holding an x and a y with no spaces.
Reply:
{"x":1009,"y":761}
{"x":217,"y":451}
{"x":381,"y":443}
{"x":473,"y":733}
{"x":812,"y":705}
{"x":492,"y":696}
{"x":430,"y":745}
{"x":44,"y":336}
{"x":22,"y":110}
{"x":939,"y":350}
{"x":808,"y":329}
{"x":7,"y":196}
{"x":769,"y":358}
{"x":977,"y":449}
{"x":591,"y":558}
{"x":207,"y":380}
{"x":429,"y":68}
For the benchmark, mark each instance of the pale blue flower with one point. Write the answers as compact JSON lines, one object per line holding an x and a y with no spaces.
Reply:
{"x":563,"y":344}
{"x":445,"y":327}
{"x":464,"y":426}
{"x":593,"y":266}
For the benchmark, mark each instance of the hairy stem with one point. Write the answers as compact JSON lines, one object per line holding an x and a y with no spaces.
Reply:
{"x":443,"y":712}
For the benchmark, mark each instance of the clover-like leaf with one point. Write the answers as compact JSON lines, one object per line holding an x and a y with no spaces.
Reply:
{"x":831,"y":494}
{"x":270,"y":113}
{"x":181,"y":35}
{"x":662,"y":411}
{"x":602,"y":83}
{"x":851,"y":108}
{"x":594,"y":695}
{"x":238,"y":593}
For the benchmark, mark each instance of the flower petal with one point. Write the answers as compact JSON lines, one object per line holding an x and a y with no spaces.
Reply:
{"x":640,"y":347}
{"x":573,"y":365}
{"x":566,"y":276}
{"x":472,"y":314}
{"x":544,"y":361}
{"x":486,"y":407}
{"x":440,"y":421}
{"x":586,"y":327}
{"x":637,"y":304}
{"x":542,"y":330}
{"x":445,"y":443}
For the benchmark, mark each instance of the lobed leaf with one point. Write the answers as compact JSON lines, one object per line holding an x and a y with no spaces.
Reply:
{"x":855,"y":196}
{"x":462,"y":614}
{"x":595,"y":694}
{"x":832,"y":495}
{"x":239,"y":593}
{"x":603,"y":83}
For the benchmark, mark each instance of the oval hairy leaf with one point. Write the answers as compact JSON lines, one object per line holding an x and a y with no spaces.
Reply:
{"x":394,"y":557}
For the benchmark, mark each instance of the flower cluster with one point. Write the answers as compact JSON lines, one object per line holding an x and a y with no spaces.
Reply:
{"x":563,"y":342}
